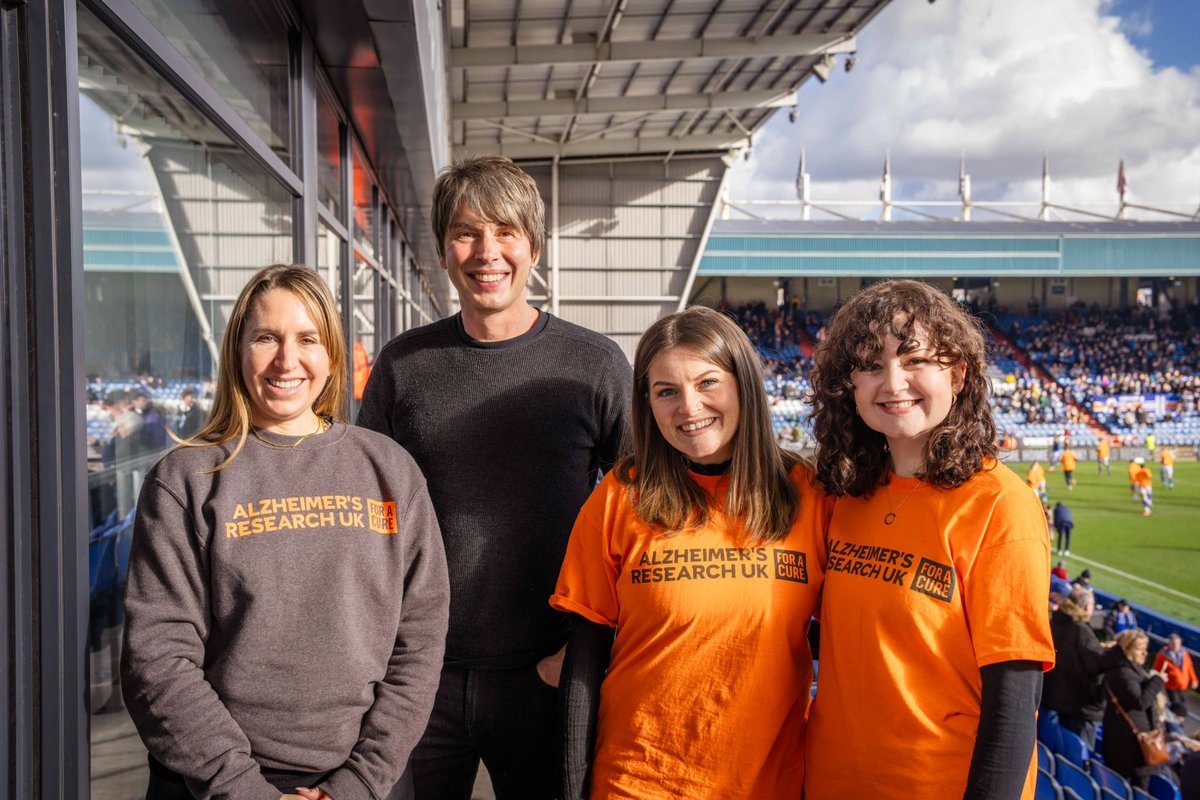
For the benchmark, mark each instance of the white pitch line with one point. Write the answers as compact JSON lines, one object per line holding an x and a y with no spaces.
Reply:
{"x":1127,"y":576}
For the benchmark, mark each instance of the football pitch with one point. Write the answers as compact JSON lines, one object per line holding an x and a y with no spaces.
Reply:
{"x":1153,"y":561}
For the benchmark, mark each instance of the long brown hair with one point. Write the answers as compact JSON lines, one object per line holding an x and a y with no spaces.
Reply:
{"x":230,"y":416}
{"x":851,"y":457}
{"x":761,"y":493}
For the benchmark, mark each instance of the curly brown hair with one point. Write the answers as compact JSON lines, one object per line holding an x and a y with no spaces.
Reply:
{"x":851,"y":457}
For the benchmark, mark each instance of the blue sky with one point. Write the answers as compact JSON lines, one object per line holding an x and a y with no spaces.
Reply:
{"x":1003,"y":83}
{"x":1166,"y":29}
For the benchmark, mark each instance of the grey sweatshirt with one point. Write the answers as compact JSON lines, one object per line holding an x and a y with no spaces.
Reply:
{"x":288,"y":611}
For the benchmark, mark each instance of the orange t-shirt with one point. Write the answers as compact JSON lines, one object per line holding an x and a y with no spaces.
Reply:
{"x":1142,"y":478}
{"x":910,"y":613}
{"x":1103,"y":448}
{"x":1167,"y":457}
{"x":1069,"y":460}
{"x":1133,"y":471}
{"x":1035,"y":476}
{"x":708,"y":686}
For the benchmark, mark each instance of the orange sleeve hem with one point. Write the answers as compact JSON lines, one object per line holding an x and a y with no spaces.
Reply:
{"x":567,"y":604}
{"x":1046,"y":657}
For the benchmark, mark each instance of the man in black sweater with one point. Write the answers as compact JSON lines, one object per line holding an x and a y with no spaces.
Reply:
{"x":512,"y":415}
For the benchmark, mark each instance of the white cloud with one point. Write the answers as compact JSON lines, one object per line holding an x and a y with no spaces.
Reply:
{"x":1004,"y":81}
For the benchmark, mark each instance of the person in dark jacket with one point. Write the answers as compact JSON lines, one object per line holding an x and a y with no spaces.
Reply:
{"x":1128,"y":683}
{"x":1074,"y":688}
{"x":1064,"y":523}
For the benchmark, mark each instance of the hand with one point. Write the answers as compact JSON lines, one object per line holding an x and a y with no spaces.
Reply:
{"x":549,"y":669}
{"x":1161,"y":673}
{"x":311,"y":794}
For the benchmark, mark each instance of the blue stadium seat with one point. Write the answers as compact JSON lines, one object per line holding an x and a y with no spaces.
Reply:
{"x":1162,"y":789}
{"x":102,"y":569}
{"x":1045,"y":758}
{"x":1073,"y":747}
{"x":1138,"y":794}
{"x":1047,"y":730}
{"x":1106,"y":794}
{"x":1047,"y":787}
{"x":1110,"y":781}
{"x":1072,"y":777}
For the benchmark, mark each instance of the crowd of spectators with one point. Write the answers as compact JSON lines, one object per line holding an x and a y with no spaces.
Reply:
{"x":1100,"y":353}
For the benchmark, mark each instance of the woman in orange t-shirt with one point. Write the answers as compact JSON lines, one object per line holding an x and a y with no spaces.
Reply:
{"x":704,"y":549}
{"x":934,"y":623}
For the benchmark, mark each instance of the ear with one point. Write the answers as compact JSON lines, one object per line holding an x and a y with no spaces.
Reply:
{"x":958,"y":376}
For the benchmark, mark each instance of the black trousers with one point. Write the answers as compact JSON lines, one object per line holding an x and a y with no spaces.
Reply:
{"x":507,"y":718}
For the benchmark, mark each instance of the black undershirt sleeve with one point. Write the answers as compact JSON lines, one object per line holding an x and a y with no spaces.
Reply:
{"x":588,"y":653}
{"x":1007,"y":730}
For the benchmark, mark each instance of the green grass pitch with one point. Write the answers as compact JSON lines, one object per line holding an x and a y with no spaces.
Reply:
{"x":1153,"y":561}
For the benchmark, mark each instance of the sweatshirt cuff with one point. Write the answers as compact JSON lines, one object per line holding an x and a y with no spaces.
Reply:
{"x":345,"y":784}
{"x":254,"y":786}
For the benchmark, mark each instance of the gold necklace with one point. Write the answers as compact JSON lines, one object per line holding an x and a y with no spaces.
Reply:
{"x":890,"y":517}
{"x":293,"y":445}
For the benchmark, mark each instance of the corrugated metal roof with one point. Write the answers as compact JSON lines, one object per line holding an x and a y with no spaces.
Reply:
{"x":534,"y":79}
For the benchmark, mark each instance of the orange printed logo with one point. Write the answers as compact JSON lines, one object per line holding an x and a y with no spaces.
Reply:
{"x":383,"y":515}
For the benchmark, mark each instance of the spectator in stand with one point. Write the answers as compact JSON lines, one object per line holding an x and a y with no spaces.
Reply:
{"x":1181,"y":673}
{"x":1069,"y":461}
{"x":1132,"y":708}
{"x":1084,"y":579}
{"x":153,"y":430}
{"x":914,"y":701}
{"x":1142,"y":479}
{"x":193,"y":415}
{"x":1120,"y":618}
{"x":1060,"y":569}
{"x":1166,"y":460}
{"x":1064,"y":523}
{"x":1074,"y":688}
{"x":704,"y":689}
{"x":1103,"y":453}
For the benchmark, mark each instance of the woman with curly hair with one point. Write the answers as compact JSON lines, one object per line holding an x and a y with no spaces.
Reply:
{"x":934,"y":625}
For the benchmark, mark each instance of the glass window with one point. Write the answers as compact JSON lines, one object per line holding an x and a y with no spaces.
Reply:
{"x":241,"y":49}
{"x":364,"y":207}
{"x":329,"y":260}
{"x":329,"y":155}
{"x":365,"y":339}
{"x":175,"y":220}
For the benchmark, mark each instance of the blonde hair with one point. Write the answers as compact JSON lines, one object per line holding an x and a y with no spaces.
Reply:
{"x":1129,"y":639}
{"x":231,"y":412}
{"x":1076,"y":604}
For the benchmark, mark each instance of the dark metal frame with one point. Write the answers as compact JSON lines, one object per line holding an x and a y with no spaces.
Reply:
{"x":45,"y":604}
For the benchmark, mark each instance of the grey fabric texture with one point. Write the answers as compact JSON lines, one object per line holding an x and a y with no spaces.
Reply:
{"x":288,"y":611}
{"x":512,"y":437}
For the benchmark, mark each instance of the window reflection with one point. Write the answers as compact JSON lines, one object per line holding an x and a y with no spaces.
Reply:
{"x":329,"y":155}
{"x":175,"y":220}
{"x":241,"y":50}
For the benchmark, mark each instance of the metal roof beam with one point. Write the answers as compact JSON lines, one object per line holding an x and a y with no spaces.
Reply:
{"x":673,"y":50}
{"x":618,"y":105}
{"x":603,"y":147}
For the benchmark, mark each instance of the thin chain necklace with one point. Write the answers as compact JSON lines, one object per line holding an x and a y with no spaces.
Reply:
{"x":890,"y":517}
{"x":293,"y":445}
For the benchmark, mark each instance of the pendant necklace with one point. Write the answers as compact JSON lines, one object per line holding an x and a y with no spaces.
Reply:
{"x":298,"y":442}
{"x":890,"y":517}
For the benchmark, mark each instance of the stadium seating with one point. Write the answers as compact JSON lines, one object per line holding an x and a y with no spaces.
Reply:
{"x":1110,"y":781}
{"x":1073,"y":748}
{"x":1047,"y":787}
{"x":1162,"y":789}
{"x":1075,"y":779}
{"x":1045,"y":758}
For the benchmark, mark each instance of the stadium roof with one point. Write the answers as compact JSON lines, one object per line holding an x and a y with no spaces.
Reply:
{"x":534,"y":79}
{"x":950,"y":227}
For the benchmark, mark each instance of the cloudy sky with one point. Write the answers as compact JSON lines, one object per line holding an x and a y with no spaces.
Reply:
{"x":1086,"y":82}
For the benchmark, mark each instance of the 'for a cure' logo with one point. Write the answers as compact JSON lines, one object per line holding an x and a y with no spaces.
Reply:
{"x":934,"y":579}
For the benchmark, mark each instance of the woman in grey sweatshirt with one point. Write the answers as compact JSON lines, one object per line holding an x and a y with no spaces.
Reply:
{"x":287,"y":599}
